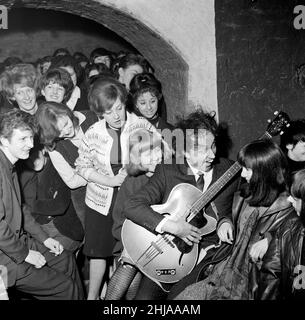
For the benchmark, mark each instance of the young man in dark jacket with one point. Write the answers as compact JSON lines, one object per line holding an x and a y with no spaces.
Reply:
{"x":36,"y":264}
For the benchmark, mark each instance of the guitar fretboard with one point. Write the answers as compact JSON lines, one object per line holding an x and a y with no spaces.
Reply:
{"x":215,"y":188}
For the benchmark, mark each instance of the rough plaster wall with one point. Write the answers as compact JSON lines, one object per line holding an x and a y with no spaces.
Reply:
{"x":33,"y":34}
{"x":177,"y":37}
{"x":258,"y":51}
{"x":189,"y":26}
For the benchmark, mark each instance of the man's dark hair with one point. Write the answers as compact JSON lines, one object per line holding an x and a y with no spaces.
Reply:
{"x":193,"y":125}
{"x":293,"y":134}
{"x":298,"y":191}
{"x":199,"y":120}
{"x":15,"y":119}
{"x":61,"y":52}
{"x":100,"y":52}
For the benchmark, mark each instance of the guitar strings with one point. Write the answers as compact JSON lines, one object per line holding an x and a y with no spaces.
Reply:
{"x":151,"y":252}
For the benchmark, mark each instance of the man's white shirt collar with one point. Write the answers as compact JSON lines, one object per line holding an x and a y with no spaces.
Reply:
{"x":207,"y":175}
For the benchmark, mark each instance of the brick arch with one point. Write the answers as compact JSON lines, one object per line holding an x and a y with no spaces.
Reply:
{"x":170,"y":67}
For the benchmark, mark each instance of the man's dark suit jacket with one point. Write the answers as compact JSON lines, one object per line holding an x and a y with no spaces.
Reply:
{"x":13,"y":222}
{"x":165,"y":178}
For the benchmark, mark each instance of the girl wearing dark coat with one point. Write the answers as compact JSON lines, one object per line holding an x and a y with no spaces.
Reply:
{"x":283,"y":266}
{"x":261,"y":208}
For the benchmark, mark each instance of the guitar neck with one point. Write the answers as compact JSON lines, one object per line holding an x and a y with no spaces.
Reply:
{"x":217,"y":186}
{"x":266,"y":135}
{"x":208,"y":195}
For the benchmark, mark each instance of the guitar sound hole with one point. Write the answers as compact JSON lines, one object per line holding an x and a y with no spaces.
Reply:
{"x":182,"y":246}
{"x":199,"y":220}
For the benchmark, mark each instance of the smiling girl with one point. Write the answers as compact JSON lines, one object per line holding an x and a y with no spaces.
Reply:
{"x":21,"y":86}
{"x":147,"y":98}
{"x":61,"y":131}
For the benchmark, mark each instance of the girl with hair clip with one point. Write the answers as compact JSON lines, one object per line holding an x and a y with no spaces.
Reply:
{"x":145,"y":152}
{"x":147,"y":99}
{"x":283,"y":265}
{"x":260,"y":208}
{"x":102,"y":155}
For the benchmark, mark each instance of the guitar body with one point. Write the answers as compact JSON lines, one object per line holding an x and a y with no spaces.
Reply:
{"x":157,"y":256}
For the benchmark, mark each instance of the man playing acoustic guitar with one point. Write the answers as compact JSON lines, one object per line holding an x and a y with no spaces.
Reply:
{"x":200,"y":167}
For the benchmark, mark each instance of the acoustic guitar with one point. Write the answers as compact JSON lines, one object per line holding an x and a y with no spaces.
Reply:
{"x":165,"y":257}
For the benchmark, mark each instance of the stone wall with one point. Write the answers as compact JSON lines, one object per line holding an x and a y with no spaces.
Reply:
{"x":258,"y":51}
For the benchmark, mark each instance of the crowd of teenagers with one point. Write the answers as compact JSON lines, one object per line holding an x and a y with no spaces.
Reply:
{"x":86,"y":157}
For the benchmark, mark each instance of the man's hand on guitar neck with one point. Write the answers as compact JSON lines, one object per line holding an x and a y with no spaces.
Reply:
{"x":183,"y":230}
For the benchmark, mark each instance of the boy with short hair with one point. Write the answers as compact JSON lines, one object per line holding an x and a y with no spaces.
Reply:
{"x":36,"y":264}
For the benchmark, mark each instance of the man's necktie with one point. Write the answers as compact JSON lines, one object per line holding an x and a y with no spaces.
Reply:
{"x":199,"y":221}
{"x":16,"y":183}
{"x":200,"y":182}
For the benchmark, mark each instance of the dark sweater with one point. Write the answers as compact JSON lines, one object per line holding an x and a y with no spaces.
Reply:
{"x":53,"y":202}
{"x":129,"y":187}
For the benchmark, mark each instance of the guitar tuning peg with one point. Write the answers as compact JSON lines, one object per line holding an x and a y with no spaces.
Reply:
{"x":281,"y":132}
{"x":269,"y":120}
{"x":276,"y":113}
{"x":288,"y":125}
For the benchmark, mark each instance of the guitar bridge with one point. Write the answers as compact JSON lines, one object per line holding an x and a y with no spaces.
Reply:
{"x":165,"y":272}
{"x":153,"y":244}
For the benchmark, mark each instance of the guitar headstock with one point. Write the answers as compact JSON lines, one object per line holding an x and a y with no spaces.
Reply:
{"x":278,"y":124}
